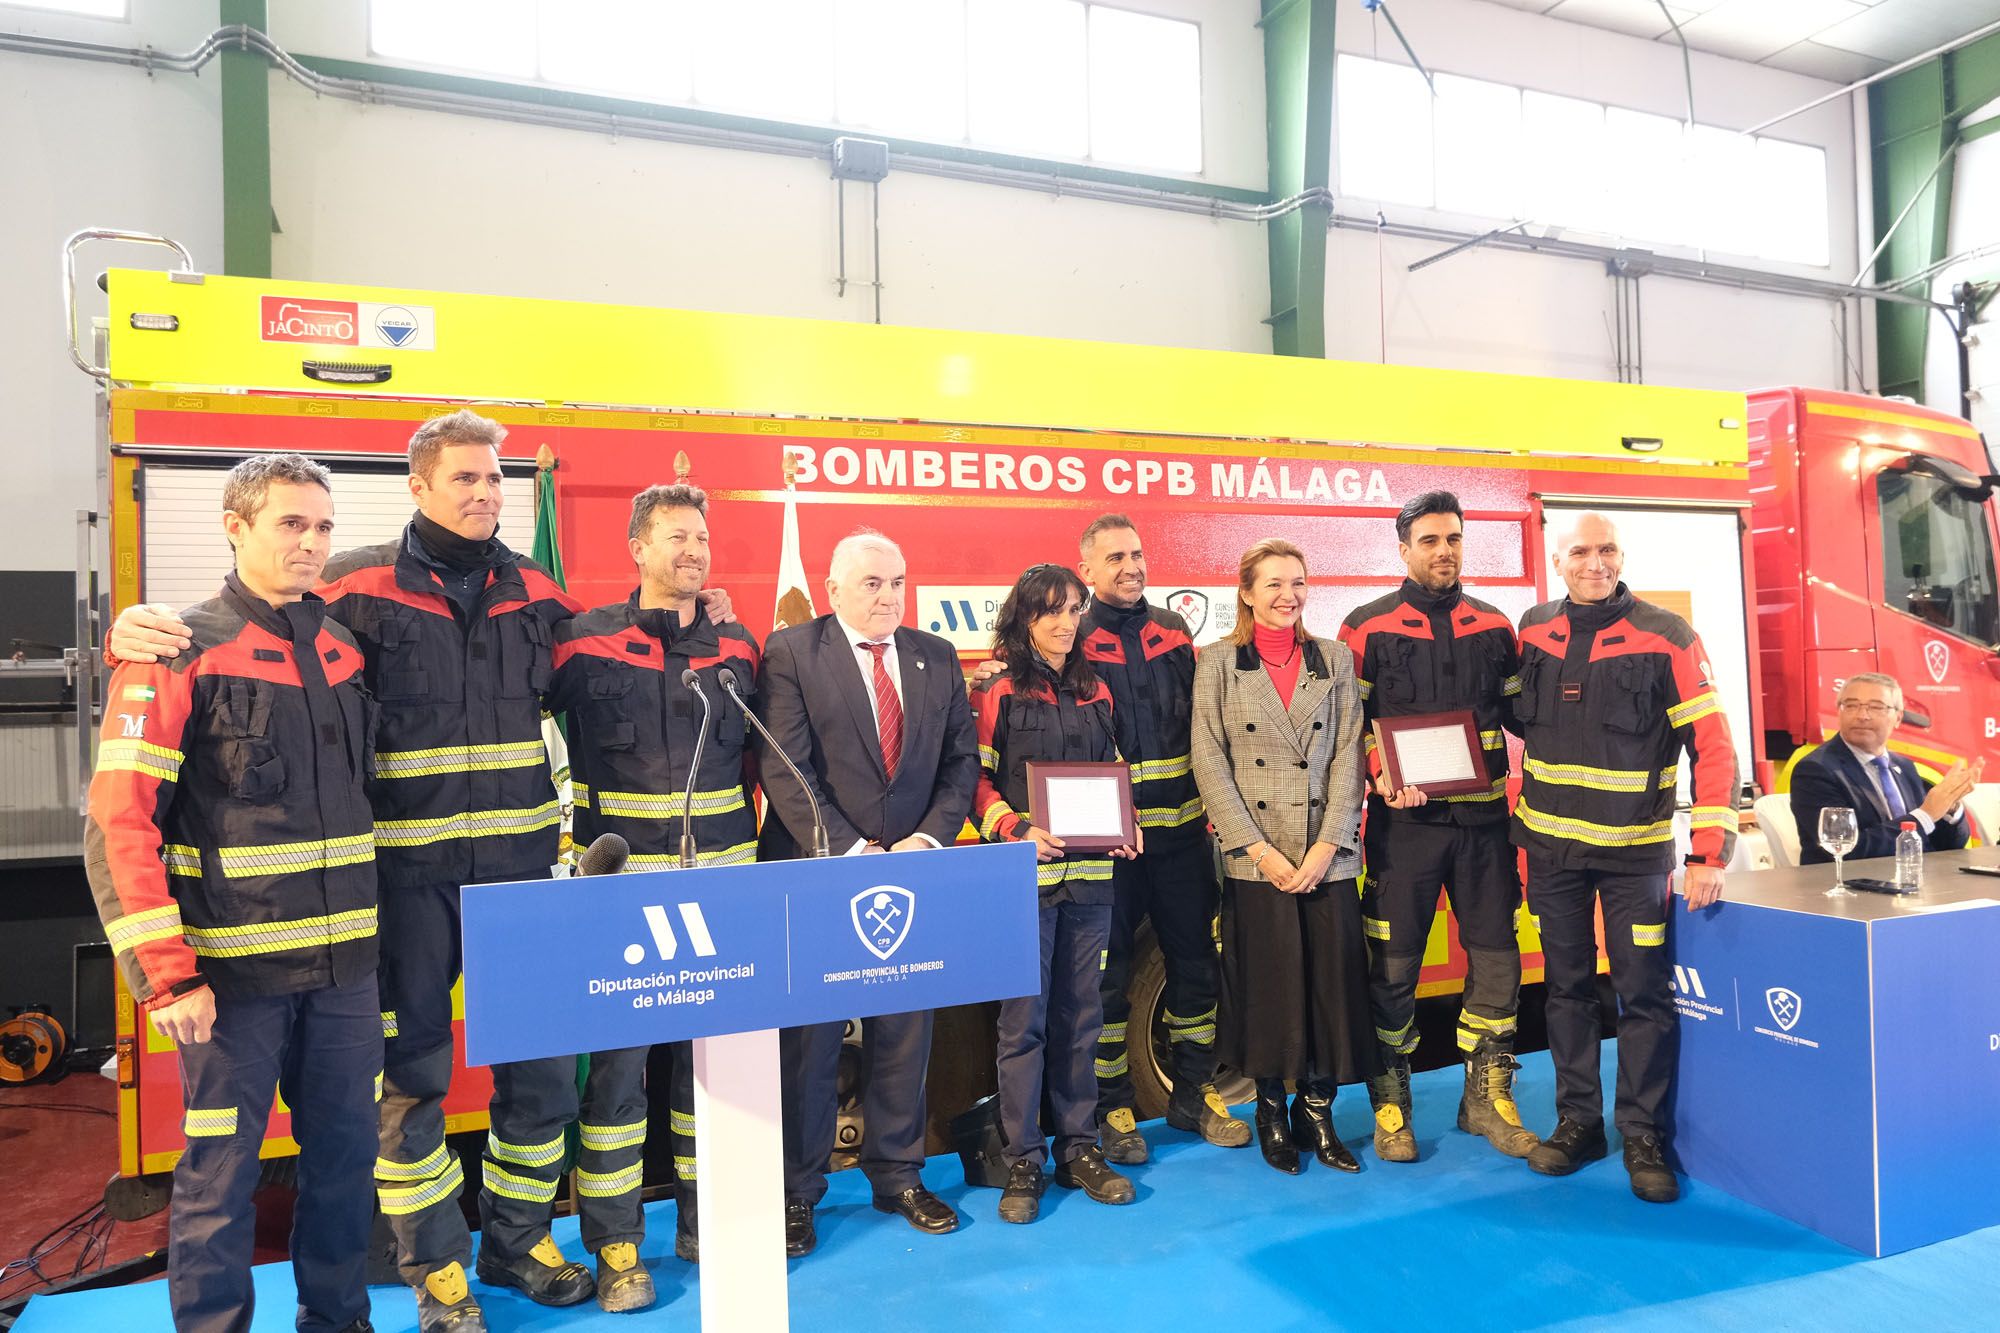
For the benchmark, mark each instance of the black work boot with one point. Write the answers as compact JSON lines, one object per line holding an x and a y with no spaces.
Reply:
{"x":687,"y":1224}
{"x":1573,"y":1144}
{"x":445,"y":1304}
{"x":1274,"y":1132}
{"x":1200,"y":1110}
{"x":1487,"y":1108}
{"x":1389,"y":1094}
{"x":623,"y":1284}
{"x":1646,"y":1161}
{"x":543,"y":1273}
{"x":1087,"y":1172}
{"x":1118,"y":1134}
{"x":1021,"y":1201}
{"x":1312,"y":1126}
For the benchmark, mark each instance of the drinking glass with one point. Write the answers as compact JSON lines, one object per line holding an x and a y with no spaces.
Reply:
{"x":1838,"y":833}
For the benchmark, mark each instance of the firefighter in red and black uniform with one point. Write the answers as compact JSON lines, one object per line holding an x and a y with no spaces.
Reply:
{"x":1430,"y":647}
{"x":1049,"y":707}
{"x":632,"y":727}
{"x":1613,"y":689}
{"x":229,"y":850}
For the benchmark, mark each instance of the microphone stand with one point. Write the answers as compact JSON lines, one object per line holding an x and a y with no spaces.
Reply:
{"x":728,"y":679}
{"x":693,"y":682}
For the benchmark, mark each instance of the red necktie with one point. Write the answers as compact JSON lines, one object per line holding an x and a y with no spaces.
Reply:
{"x":888,"y":711}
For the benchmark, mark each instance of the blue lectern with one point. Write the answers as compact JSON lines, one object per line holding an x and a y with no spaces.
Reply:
{"x":726,"y":956}
{"x":1839,"y":1062}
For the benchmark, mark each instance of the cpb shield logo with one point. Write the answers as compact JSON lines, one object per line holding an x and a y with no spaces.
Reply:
{"x":1937,"y":659}
{"x":882,"y":918}
{"x":1785,"y":1006}
{"x":1191,"y":606}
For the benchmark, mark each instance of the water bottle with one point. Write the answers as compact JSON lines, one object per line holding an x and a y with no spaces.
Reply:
{"x":1909,"y":858}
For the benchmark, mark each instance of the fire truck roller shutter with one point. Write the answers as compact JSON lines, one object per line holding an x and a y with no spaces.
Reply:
{"x":183,"y":555}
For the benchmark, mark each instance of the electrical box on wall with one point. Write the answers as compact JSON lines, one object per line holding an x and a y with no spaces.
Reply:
{"x":860,"y":159}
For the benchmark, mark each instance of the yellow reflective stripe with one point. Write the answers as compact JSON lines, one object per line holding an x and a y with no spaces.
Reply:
{"x":737,"y":854}
{"x":378,"y":1087}
{"x":604,"y":1138}
{"x":1497,"y":1026}
{"x":286,"y":858}
{"x":1649,"y":936}
{"x":459,"y":759}
{"x":211,"y":1124}
{"x":1063,"y":871}
{"x":1497,"y":791}
{"x":1713,"y":816}
{"x":1174,"y":1019}
{"x":1375,"y":928}
{"x":1511,"y":685}
{"x":1402,"y":1040}
{"x":579,"y":796}
{"x":1112,"y":1068}
{"x":1468,"y":1040}
{"x":1200,"y":1035}
{"x":668,"y":805}
{"x":1698,"y":707}
{"x":427,"y":1167}
{"x":989,"y":823}
{"x":1367,"y":687}
{"x":1169,"y":816}
{"x":389,"y":1028}
{"x":1155,"y":770}
{"x":181,"y":859}
{"x":510,"y":1186}
{"x":1492,"y":740}
{"x":402,"y":1200}
{"x":684,"y":1167}
{"x":989,"y":759}
{"x":1598,"y":835}
{"x":155,"y":923}
{"x":1112,"y":1033}
{"x":680,"y":1122}
{"x":471,"y":824}
{"x":137,"y":756}
{"x":277,"y":936}
{"x":1582,"y":775}
{"x":524,"y":1154}
{"x":609,"y":1184}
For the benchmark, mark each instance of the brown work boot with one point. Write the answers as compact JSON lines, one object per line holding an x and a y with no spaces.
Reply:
{"x":1389,"y":1094}
{"x":1487,"y":1108}
{"x":622,"y":1281}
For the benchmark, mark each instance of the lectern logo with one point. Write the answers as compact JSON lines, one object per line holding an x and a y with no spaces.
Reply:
{"x":882,"y":917}
{"x":1937,"y":659}
{"x":662,"y":931}
{"x":1785,"y":1006}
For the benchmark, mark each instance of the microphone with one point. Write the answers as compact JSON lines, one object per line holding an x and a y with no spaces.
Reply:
{"x":728,"y":679}
{"x":693,"y":682}
{"x":606,"y":856}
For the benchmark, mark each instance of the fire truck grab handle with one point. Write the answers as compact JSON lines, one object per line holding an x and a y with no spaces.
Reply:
{"x":70,"y":247}
{"x":728,"y":679}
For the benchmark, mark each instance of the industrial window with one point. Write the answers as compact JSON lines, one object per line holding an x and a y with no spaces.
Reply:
{"x":91,"y":9}
{"x":1044,"y":78}
{"x":1937,"y":556}
{"x":1491,"y":151}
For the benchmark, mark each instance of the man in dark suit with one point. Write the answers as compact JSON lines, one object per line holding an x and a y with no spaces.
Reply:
{"x":876,"y":716}
{"x":1856,"y":770}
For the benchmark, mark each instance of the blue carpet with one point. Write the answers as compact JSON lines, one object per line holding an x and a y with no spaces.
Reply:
{"x":1464,"y":1239}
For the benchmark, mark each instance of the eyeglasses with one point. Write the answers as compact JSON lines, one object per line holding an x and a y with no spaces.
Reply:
{"x":1868,"y":709}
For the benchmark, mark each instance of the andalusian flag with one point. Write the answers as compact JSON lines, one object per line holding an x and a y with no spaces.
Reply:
{"x":548,"y":554}
{"x":795,"y":603}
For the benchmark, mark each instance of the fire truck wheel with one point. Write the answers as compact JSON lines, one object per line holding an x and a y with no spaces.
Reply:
{"x":1152,"y":1060}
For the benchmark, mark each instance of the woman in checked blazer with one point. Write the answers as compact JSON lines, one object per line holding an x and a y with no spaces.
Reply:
{"x":1278,"y":758}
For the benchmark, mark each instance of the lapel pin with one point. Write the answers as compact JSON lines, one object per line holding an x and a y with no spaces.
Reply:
{"x":920,"y":664}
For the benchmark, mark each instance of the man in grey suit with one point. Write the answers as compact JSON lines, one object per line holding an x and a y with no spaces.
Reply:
{"x":876,"y":717}
{"x":1855,"y":769}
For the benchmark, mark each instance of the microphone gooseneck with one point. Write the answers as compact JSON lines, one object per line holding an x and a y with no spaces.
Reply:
{"x":693,"y":682}
{"x":728,"y":679}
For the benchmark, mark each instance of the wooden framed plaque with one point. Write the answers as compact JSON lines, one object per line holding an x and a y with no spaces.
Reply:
{"x":1437,"y":753}
{"x":1088,"y":806}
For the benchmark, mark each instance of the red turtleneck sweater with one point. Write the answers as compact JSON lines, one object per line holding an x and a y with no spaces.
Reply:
{"x":1280,"y":650}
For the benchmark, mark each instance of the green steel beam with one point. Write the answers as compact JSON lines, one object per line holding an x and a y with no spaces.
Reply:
{"x":1298,"y":124}
{"x":1914,"y":120}
{"x":247,"y":219}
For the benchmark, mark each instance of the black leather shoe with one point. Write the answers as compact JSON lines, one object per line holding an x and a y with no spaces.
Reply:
{"x":1573,"y":1144}
{"x":1088,"y":1172}
{"x":543,"y":1273}
{"x":1021,"y":1201}
{"x":1274,"y":1136}
{"x":1312,"y":1125}
{"x":921,"y":1209}
{"x":360,"y":1325}
{"x":800,"y":1236}
{"x":1646,"y":1161}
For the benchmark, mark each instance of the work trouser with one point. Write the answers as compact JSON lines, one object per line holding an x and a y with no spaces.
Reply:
{"x":895,"y":1052}
{"x":1635,"y":936}
{"x":417,"y":1178}
{"x":1044,"y":1040}
{"x":1176,"y":887}
{"x":534,"y":1101}
{"x":680,"y":1112}
{"x":1477,"y":867}
{"x":322,"y":1050}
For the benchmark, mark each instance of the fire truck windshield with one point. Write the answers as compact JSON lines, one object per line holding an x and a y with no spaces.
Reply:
{"x":1937,"y":555}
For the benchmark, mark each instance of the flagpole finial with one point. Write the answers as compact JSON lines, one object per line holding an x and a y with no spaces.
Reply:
{"x":682,"y":466}
{"x":545,"y":459}
{"x":789,"y":465}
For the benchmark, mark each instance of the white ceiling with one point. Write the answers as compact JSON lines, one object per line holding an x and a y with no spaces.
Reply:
{"x":1839,"y":40}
